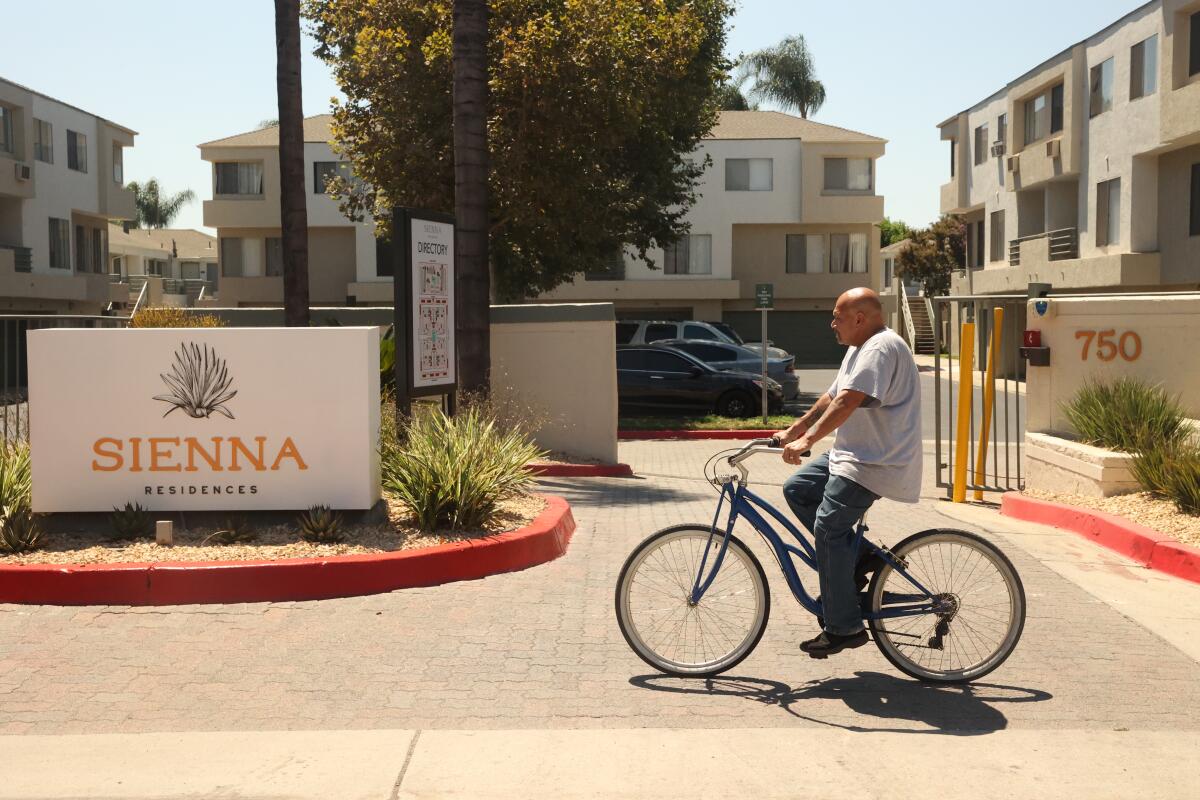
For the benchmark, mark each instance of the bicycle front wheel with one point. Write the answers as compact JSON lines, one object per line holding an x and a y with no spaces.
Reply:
{"x":665,"y":629}
{"x":984,"y":605}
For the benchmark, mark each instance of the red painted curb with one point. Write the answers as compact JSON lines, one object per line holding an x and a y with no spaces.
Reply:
{"x":1145,"y":546}
{"x":180,"y":582}
{"x":582,"y":470}
{"x":748,"y":434}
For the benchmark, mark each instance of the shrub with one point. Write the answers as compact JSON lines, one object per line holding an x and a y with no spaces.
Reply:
{"x":15,"y":481}
{"x":1173,"y":472}
{"x":321,"y":525}
{"x":173,"y":318}
{"x":235,"y":531}
{"x":19,"y":531}
{"x":1126,"y":415}
{"x":452,"y":472}
{"x":131,"y":522}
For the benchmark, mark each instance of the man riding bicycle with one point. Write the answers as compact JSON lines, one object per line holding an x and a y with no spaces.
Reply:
{"x":875,"y":407}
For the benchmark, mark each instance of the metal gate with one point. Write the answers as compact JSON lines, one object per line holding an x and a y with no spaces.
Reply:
{"x":979,"y":393}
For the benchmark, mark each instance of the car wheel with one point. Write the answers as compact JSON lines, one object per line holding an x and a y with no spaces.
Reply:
{"x":735,"y":404}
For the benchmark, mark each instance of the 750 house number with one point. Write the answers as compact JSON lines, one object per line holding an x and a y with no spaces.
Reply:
{"x":1108,"y":345}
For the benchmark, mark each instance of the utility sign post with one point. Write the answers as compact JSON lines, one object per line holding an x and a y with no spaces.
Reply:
{"x":426,"y":348}
{"x":764,"y":301}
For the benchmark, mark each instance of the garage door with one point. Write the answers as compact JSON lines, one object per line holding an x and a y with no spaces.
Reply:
{"x":805,"y":334}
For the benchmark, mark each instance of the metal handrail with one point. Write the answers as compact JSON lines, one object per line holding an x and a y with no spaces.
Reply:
{"x":141,"y":298}
{"x":908,"y":322}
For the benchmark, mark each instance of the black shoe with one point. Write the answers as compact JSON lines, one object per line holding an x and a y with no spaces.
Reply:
{"x":864,"y":568}
{"x":828,"y":644}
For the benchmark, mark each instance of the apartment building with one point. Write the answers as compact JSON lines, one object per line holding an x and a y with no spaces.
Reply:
{"x":245,"y":211}
{"x":61,"y":181}
{"x":176,"y":266}
{"x":1085,"y":171}
{"x":785,"y":201}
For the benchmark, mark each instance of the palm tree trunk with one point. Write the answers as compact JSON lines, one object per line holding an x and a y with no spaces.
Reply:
{"x":293,"y":213}
{"x":473,"y":289}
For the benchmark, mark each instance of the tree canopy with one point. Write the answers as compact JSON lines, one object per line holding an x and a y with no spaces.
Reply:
{"x":595,"y":107}
{"x":154,"y":209}
{"x":786,"y":75}
{"x":933,"y":254}
{"x":892,"y":231}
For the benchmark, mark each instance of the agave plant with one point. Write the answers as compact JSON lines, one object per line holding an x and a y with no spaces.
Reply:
{"x":131,"y":522}
{"x":19,"y":531}
{"x":321,"y":525}
{"x":199,"y":383}
{"x":235,"y":531}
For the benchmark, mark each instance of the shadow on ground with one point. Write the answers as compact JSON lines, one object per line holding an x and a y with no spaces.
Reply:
{"x":620,"y":491}
{"x":965,"y":710}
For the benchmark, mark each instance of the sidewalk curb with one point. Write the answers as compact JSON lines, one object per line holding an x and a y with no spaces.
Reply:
{"x":1147,"y":547}
{"x":582,"y":470}
{"x":746,"y":434}
{"x":182,"y":582}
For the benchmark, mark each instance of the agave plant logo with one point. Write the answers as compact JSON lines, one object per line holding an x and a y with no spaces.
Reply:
{"x":199,"y":382}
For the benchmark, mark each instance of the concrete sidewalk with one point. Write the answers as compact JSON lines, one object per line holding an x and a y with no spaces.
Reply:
{"x":646,"y":763}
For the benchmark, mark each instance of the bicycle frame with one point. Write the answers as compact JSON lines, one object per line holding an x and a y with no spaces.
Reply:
{"x":745,"y":503}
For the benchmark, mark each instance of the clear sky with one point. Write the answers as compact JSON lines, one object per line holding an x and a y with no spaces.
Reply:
{"x":185,"y":73}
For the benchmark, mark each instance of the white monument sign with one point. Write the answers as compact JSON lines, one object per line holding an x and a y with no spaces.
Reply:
{"x":432,"y":301}
{"x":221,"y":419}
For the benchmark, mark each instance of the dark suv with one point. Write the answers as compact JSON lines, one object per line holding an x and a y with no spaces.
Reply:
{"x":662,"y":377}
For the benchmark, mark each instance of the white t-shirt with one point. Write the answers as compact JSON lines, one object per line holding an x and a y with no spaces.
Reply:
{"x":879,"y":446}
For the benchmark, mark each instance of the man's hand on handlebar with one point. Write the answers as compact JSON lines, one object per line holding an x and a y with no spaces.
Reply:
{"x":795,"y":451}
{"x":794,"y":432}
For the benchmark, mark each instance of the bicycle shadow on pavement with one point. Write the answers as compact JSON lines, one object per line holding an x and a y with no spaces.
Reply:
{"x":622,"y":491}
{"x":964,"y":710}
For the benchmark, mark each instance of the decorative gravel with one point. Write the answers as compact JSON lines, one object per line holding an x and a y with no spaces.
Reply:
{"x":1143,"y":508}
{"x":274,"y":542}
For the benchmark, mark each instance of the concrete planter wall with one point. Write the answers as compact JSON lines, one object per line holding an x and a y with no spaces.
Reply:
{"x":1055,"y":464}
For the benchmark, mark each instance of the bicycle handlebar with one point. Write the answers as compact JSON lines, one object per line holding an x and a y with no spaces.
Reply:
{"x":771,"y":445}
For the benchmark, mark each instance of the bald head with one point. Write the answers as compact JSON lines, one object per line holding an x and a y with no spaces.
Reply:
{"x":857,"y":316}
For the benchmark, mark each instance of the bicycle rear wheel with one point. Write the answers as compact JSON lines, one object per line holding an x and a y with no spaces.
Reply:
{"x":665,"y":629}
{"x":984,"y":595}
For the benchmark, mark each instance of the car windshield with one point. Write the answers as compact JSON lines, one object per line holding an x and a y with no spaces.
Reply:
{"x":728,"y":331}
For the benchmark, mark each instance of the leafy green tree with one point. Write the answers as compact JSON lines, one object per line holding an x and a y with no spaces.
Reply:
{"x":785,"y":75}
{"x":154,"y":209}
{"x":594,"y":109}
{"x":933,"y":255}
{"x":892,"y":231}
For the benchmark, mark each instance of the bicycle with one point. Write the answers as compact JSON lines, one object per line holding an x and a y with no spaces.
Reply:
{"x":947,"y":606}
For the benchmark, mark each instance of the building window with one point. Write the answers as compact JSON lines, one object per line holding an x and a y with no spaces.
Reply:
{"x":981,"y":144}
{"x":889,"y":273}
{"x":60,"y":244}
{"x":691,"y":255}
{"x":239,"y":178}
{"x":953,"y":152}
{"x":97,"y":250}
{"x":190,"y":270}
{"x":749,"y":174}
{"x":1194,"y":45}
{"x":847,"y":252}
{"x":805,"y":253}
{"x":81,"y":250}
{"x":1108,"y":212}
{"x":324,"y":170}
{"x":118,"y":164}
{"x":76,"y":151}
{"x":1143,"y":68}
{"x":154,"y":266}
{"x":43,"y":141}
{"x":1002,"y":129}
{"x":1044,"y":114}
{"x":1194,"y":211}
{"x":979,"y":243}
{"x":1102,"y":88}
{"x":384,"y":268}
{"x":274,"y":256}
{"x":116,"y":266}
{"x":997,"y":253}
{"x":848,"y":174}
{"x":6,"y":130}
{"x":231,"y":257}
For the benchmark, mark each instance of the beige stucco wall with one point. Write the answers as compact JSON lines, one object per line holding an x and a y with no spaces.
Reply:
{"x":1180,"y":251}
{"x":817,"y":205}
{"x":1169,"y":328}
{"x":760,"y":256}
{"x":331,"y":267}
{"x":1036,"y":166}
{"x":1180,"y":121}
{"x":566,"y":372}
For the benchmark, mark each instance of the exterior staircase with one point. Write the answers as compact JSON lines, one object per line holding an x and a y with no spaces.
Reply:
{"x":918,"y":325}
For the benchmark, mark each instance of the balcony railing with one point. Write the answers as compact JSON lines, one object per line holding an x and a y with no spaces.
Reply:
{"x":22,"y":257}
{"x":1064,"y":244}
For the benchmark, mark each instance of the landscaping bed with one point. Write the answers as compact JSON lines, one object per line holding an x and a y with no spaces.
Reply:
{"x":275,"y":542}
{"x":1142,"y":508}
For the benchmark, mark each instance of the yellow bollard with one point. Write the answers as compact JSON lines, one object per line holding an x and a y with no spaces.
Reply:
{"x":989,"y":399}
{"x":966,"y":353}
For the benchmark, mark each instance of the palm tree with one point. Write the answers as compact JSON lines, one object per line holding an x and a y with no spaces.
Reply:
{"x":153,"y":209}
{"x":785,"y":75}
{"x":293,"y":214}
{"x":473,"y":285}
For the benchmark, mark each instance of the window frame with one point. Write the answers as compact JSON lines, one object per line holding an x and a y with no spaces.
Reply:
{"x":1105,"y":224}
{"x":1145,"y":67}
{"x":217,"y":182}
{"x":118,"y":163}
{"x":43,"y":150}
{"x":7,"y":145}
{"x":239,"y":261}
{"x":674,"y":264}
{"x":997,"y":237}
{"x":750,"y":187}
{"x":1194,"y":44}
{"x":1053,"y":97}
{"x":77,"y":151}
{"x":60,"y":243}
{"x":827,"y":189}
{"x":1100,"y":76}
{"x":340,"y":169}
{"x":981,"y":144}
{"x":1194,"y":211}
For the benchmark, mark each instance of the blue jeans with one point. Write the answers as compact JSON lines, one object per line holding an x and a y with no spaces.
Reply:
{"x":829,"y":506}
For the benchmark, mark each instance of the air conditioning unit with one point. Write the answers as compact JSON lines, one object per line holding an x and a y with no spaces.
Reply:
{"x":23,"y":171}
{"x":1014,"y":163}
{"x":1054,"y":148}
{"x":998,"y":148}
